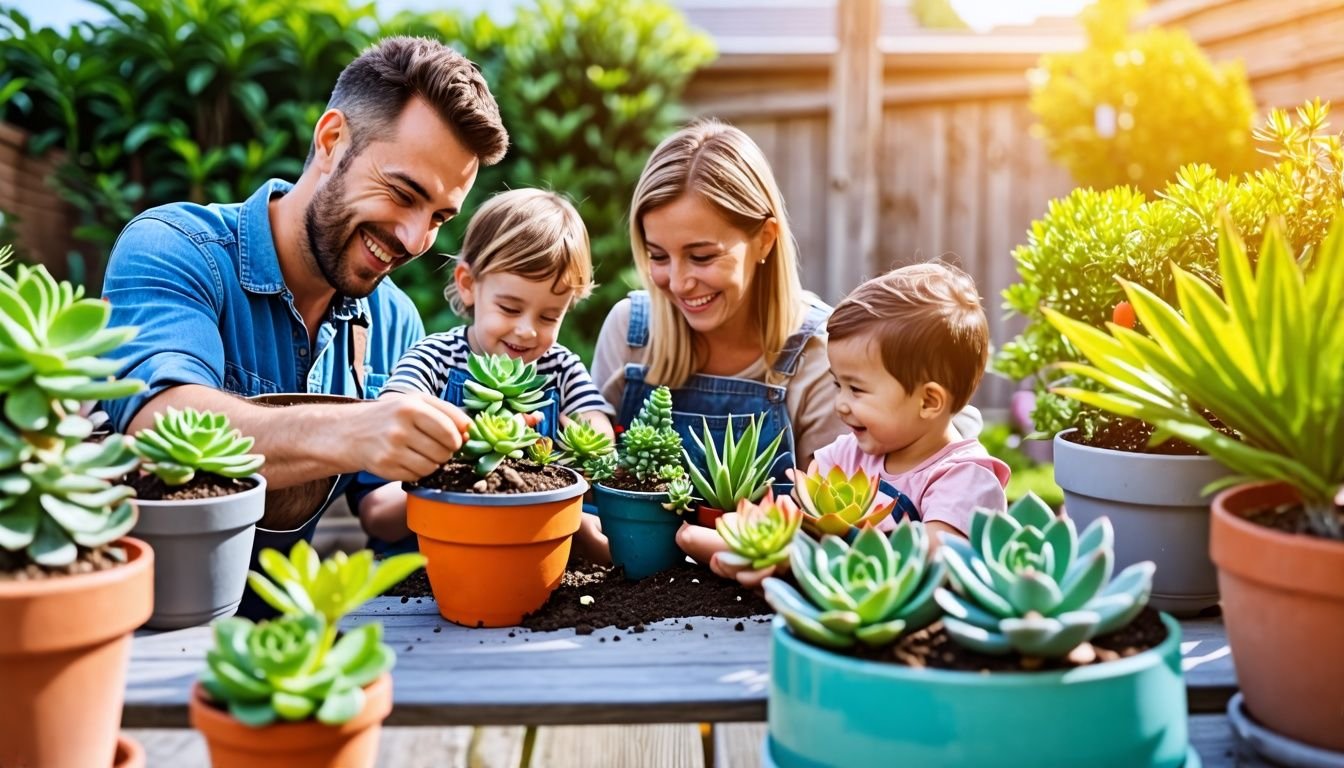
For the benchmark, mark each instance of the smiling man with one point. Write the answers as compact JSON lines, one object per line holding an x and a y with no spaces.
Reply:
{"x":287,"y":292}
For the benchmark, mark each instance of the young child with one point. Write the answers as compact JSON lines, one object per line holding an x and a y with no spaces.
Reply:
{"x":524,"y":263}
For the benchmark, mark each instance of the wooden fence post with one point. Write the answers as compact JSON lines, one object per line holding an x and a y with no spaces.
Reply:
{"x":855,"y":136}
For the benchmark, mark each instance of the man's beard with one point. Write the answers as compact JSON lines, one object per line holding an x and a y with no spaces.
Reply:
{"x":329,"y":230}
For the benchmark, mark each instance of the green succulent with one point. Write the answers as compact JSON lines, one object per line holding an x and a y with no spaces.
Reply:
{"x":500,"y":383}
{"x":51,"y":340}
{"x":737,"y":471}
{"x":543,"y":451}
{"x":760,"y":534}
{"x":835,"y":503}
{"x":680,"y":496}
{"x":869,"y":592}
{"x":62,"y":495}
{"x":1026,"y":581}
{"x":494,"y":437}
{"x":601,"y":467}
{"x":651,"y":443}
{"x":581,"y":446}
{"x":183,"y":442}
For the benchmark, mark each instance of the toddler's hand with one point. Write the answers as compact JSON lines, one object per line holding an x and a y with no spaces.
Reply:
{"x":731,"y":565}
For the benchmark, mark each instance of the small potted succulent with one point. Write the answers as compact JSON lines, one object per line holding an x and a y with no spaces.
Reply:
{"x":738,"y":470}
{"x":579,"y":446}
{"x":73,"y":586}
{"x":199,"y":497}
{"x":496,"y":526}
{"x":1264,"y":354}
{"x":838,"y":504}
{"x":1024,"y":607}
{"x":638,"y":518}
{"x":759,"y":536}
{"x":290,"y":693}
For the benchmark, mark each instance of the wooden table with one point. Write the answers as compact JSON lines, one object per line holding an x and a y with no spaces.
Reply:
{"x":712,"y":673}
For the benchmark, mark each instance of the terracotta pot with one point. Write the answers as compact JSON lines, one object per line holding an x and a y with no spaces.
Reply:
{"x":64,"y":646}
{"x":1283,"y":604}
{"x":707,"y":516}
{"x":494,"y":558}
{"x":306,"y":744}
{"x":129,"y":753}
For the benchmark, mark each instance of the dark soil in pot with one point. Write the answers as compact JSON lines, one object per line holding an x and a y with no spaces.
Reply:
{"x":626,"y":482}
{"x":679,"y":592}
{"x":14,"y":566}
{"x":1288,"y":518}
{"x":205,"y":485}
{"x":933,"y":647}
{"x":1131,"y":436}
{"x":513,"y":476}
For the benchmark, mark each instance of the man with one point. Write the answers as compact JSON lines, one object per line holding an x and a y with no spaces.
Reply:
{"x":286,"y":292}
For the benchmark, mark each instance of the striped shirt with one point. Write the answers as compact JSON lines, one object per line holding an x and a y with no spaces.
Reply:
{"x":425,"y":367}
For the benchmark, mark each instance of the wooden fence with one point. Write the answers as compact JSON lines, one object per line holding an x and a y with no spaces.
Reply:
{"x":45,"y":220}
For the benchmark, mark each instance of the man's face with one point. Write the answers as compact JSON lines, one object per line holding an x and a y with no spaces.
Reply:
{"x":383,"y":207}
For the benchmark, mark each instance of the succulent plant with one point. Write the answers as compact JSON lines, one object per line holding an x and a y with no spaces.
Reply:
{"x":737,"y":471}
{"x":869,"y":592}
{"x":183,"y":442}
{"x":494,"y":437}
{"x":500,"y":383}
{"x":680,"y":496}
{"x":582,"y":447}
{"x":1026,"y":581}
{"x":651,"y":443}
{"x":834,"y":502}
{"x":543,"y":451}
{"x":760,"y":535}
{"x":601,"y":467}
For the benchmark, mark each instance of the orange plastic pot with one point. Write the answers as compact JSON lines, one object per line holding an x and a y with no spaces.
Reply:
{"x":493,"y":558}
{"x":306,"y":744}
{"x":64,"y":646}
{"x":1283,"y":604}
{"x":707,"y":516}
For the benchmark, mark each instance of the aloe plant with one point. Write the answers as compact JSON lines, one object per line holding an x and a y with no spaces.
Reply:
{"x":181,"y":443}
{"x":500,"y":383}
{"x":739,"y":470}
{"x":760,"y":534}
{"x":834,"y":502}
{"x":869,"y":592}
{"x":1026,"y":581}
{"x":584,"y":448}
{"x":494,"y":437}
{"x":650,"y":447}
{"x":293,"y":668}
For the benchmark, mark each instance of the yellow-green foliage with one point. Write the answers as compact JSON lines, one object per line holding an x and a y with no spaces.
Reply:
{"x":1131,"y":108}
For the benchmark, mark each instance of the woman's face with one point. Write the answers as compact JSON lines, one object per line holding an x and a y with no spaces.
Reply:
{"x":704,"y":264}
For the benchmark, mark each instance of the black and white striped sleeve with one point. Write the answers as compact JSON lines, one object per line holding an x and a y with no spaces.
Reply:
{"x":425,"y":366}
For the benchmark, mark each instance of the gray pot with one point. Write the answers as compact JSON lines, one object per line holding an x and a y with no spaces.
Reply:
{"x":202,"y":548}
{"x":1156,"y":509}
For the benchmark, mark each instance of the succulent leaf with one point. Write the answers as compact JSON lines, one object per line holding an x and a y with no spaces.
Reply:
{"x":762,"y":533}
{"x":184,"y":442}
{"x":503,"y":384}
{"x":835,"y":503}
{"x":651,"y":445}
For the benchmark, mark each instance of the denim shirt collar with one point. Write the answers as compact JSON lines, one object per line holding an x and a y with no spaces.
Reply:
{"x":259,"y":264}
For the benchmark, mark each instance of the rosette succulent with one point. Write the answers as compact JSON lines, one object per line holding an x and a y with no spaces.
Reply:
{"x":1026,"y":581}
{"x":582,"y":447}
{"x":494,"y":437}
{"x":500,"y":383}
{"x":184,"y":442}
{"x":834,"y":502}
{"x":737,"y":471}
{"x":869,"y":592}
{"x":651,"y":444}
{"x":680,"y":496}
{"x":760,"y":534}
{"x":543,"y":451}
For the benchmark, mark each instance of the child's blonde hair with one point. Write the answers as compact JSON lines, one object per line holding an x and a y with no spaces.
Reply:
{"x":928,"y":323}
{"x":532,"y":233}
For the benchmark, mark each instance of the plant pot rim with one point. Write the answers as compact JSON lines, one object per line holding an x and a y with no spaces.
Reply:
{"x":256,"y":477}
{"x":952,"y":677}
{"x":1271,"y":744}
{"x":1223,"y":512}
{"x":210,"y":719}
{"x":139,"y":556}
{"x":1069,"y":445}
{"x":464,"y":498}
{"x":602,"y":487}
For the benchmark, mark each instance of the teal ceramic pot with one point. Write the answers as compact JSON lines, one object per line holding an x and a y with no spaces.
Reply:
{"x":642,"y":535}
{"x":831,"y":710}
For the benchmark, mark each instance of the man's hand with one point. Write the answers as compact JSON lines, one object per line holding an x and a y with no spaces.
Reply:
{"x":405,"y":436}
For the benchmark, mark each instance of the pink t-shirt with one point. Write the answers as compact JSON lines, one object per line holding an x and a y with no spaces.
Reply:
{"x":946,"y":487}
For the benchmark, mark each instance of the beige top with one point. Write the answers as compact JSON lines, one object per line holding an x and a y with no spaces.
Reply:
{"x":809,"y":395}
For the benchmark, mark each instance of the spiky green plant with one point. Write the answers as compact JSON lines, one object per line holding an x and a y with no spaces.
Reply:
{"x":651,"y":443}
{"x":739,"y":469}
{"x":543,"y":451}
{"x":834,"y":502}
{"x":581,"y":446}
{"x":760,"y":534}
{"x":1026,"y":581}
{"x":501,"y":383}
{"x":181,"y":443}
{"x":869,"y":592}
{"x":494,"y":437}
{"x":680,"y":496}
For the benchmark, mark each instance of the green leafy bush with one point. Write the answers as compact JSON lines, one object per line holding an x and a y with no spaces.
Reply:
{"x":1131,"y":108}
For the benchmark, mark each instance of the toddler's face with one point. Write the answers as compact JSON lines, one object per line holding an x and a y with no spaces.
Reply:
{"x":512,"y":315}
{"x":869,"y":400}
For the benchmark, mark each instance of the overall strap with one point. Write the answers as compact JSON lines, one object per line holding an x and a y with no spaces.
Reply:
{"x":813,"y":322}
{"x":638,"y":334}
{"x":359,"y":343}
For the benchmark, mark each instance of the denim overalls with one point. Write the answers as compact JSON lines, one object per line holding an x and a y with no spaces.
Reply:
{"x":716,"y":397}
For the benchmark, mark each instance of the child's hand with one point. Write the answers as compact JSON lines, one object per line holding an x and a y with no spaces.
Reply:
{"x":727,"y":565}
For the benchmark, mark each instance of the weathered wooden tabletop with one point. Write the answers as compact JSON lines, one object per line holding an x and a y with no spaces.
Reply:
{"x":449,"y":675}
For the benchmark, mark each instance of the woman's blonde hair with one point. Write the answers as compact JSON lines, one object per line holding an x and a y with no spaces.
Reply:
{"x":723,"y":166}
{"x":532,"y":233}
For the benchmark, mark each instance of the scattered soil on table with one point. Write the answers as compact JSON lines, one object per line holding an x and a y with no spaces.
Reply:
{"x":513,"y":476}
{"x":15,"y":567}
{"x":205,"y":485}
{"x":934,"y":648}
{"x":1288,"y":518}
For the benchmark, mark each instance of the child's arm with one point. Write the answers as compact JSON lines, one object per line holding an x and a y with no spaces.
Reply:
{"x":382,"y":513}
{"x":936,"y":529}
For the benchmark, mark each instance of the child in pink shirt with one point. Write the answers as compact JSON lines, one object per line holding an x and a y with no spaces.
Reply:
{"x":907,"y":350}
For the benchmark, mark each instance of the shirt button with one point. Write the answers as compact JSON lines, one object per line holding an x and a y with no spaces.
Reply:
{"x":303,"y":351}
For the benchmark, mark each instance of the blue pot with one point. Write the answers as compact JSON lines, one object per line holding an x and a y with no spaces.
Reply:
{"x":832,"y":710}
{"x":642,"y":535}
